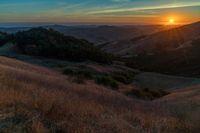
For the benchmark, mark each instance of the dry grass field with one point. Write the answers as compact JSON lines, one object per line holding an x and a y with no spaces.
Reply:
{"x":38,"y":100}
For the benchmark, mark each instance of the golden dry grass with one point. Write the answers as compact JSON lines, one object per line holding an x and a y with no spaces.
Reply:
{"x":37,"y":100}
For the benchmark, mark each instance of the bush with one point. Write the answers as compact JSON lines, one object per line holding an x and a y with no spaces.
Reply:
{"x":107,"y":81}
{"x":123,"y":77}
{"x":3,"y":38}
{"x":147,"y":94}
{"x":81,"y":72}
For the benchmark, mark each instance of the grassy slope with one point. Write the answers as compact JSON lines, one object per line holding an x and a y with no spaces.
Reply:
{"x":35,"y":99}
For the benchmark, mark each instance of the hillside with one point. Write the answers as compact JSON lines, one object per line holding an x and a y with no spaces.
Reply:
{"x":182,"y":61}
{"x":157,"y":42}
{"x":49,"y":43}
{"x":169,"y":40}
{"x":36,"y":99}
{"x":173,"y":52}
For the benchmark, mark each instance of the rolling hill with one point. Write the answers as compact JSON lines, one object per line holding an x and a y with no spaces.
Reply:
{"x":90,"y":95}
{"x":174,"y":51}
{"x":182,"y":61}
{"x":39,"y":100}
{"x":157,"y":42}
{"x":49,"y":43}
{"x":105,"y":33}
{"x":94,"y":33}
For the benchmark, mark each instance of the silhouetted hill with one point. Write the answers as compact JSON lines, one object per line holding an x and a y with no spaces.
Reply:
{"x":168,"y":40}
{"x":103,"y":34}
{"x":13,"y":29}
{"x":97,"y":34}
{"x":158,"y":42}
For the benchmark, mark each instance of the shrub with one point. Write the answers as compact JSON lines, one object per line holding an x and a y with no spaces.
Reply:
{"x":3,"y":38}
{"x":107,"y":81}
{"x":147,"y":94}
{"x":81,"y":72}
{"x":123,"y":77}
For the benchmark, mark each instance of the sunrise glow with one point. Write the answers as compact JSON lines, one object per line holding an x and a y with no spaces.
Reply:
{"x":176,"y":19}
{"x":171,"y":21}
{"x":103,"y":12}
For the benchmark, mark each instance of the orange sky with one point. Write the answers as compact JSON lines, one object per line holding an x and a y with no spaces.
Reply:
{"x":100,"y":11}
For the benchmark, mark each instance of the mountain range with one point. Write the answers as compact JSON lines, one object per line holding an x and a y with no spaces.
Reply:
{"x":96,"y":34}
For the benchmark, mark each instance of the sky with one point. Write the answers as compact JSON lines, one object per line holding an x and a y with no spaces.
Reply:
{"x":99,"y":11}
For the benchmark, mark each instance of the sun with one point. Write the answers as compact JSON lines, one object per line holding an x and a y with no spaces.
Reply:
{"x":171,"y":21}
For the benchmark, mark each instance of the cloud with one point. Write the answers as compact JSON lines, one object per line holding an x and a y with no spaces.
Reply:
{"x":167,"y":6}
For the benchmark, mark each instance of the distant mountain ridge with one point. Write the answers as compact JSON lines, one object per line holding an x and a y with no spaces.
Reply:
{"x":97,"y":34}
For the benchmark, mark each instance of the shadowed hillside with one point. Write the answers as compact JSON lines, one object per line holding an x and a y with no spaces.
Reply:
{"x":169,"y":40}
{"x":52,"y":44}
{"x":183,"y":61}
{"x":158,"y":42}
{"x":173,"y":52}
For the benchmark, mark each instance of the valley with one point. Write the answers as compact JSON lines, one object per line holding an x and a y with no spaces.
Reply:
{"x":47,"y":80}
{"x":99,"y":66}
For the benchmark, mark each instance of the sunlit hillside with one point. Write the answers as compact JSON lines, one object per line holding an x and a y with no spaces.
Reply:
{"x":36,"y":99}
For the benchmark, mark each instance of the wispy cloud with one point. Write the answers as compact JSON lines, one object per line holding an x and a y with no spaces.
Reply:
{"x":94,"y":10}
{"x":167,"y":6}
